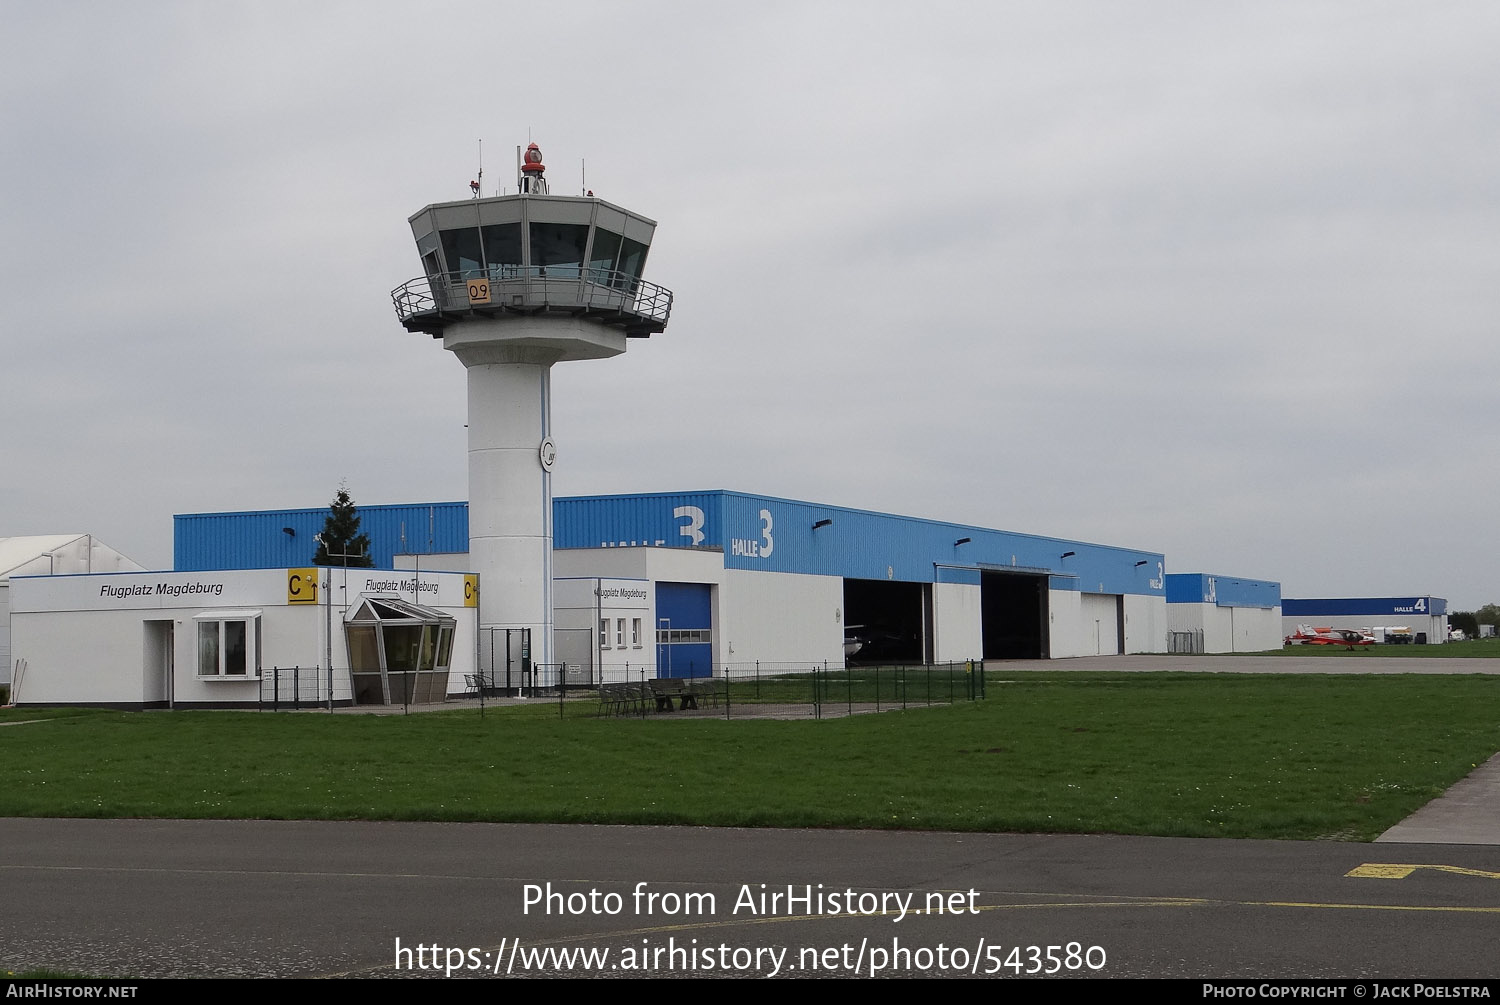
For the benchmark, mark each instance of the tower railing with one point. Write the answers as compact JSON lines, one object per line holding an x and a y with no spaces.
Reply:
{"x":612,"y":297}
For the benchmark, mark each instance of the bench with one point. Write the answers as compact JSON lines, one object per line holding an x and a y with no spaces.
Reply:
{"x":621,"y":699}
{"x":666,"y":694}
{"x":665,"y":689}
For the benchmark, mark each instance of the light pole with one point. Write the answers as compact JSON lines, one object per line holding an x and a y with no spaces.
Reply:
{"x":328,"y":615}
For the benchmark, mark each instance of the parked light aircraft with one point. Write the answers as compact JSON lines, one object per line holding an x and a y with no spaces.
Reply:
{"x":1306,"y":635}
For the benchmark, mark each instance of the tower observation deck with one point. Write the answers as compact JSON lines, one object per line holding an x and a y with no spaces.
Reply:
{"x":532,"y":256}
{"x":513,"y":284}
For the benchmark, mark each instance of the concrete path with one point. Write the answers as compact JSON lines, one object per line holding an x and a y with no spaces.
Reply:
{"x":1351,"y":663}
{"x":1468,"y":813}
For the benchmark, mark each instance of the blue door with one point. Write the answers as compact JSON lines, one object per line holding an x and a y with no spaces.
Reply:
{"x":684,"y":630}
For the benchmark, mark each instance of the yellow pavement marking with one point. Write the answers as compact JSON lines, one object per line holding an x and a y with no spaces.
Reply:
{"x":1382,"y":870}
{"x":1440,"y":908}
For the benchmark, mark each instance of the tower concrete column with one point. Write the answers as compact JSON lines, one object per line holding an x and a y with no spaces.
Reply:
{"x":512,"y":285}
{"x":509,"y":373}
{"x":510,"y":488}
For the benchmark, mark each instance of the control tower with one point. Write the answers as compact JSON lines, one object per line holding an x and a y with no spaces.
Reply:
{"x":513,"y":284}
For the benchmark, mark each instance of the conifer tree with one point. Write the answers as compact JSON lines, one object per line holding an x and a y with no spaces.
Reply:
{"x":341,"y":535}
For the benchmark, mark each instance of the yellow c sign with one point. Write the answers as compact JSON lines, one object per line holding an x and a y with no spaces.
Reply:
{"x":471,"y":590}
{"x":302,"y":586}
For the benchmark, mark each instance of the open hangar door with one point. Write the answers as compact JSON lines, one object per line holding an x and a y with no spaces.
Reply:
{"x":1013,"y":613}
{"x":890,"y":620}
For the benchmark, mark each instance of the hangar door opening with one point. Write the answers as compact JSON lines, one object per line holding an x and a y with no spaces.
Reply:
{"x":887,"y":622}
{"x":1013,"y":613}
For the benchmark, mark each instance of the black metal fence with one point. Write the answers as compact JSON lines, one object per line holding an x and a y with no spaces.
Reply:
{"x":734,"y":690}
{"x":760,"y":690}
{"x":896,"y":687}
{"x":1185,"y":642}
{"x":294,"y":688}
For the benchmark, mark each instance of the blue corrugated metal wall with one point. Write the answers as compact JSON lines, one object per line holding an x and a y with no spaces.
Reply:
{"x":256,"y":539}
{"x":863,"y":545}
{"x":778,"y":535}
{"x":1355,"y":606}
{"x":671,"y":520}
{"x":1225,"y":591}
{"x":755,"y":532}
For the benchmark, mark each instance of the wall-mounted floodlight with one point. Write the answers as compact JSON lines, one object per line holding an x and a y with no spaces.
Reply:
{"x":822,"y":523}
{"x":289,"y":532}
{"x":1141,"y":563}
{"x":1069,"y":554}
{"x":962,"y":540}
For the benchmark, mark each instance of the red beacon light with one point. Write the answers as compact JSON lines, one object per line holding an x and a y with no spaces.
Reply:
{"x":532,"y":180}
{"x":533,"y":160}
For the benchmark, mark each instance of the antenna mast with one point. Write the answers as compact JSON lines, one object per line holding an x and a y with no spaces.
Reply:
{"x":477,"y":186}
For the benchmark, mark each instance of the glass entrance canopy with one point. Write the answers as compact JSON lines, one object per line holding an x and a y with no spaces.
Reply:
{"x":399,"y":653}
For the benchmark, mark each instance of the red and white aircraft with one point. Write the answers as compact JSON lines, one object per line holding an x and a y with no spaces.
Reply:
{"x":1308,"y":636}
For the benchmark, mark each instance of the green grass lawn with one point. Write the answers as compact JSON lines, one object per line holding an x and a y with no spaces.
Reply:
{"x":1306,"y":756}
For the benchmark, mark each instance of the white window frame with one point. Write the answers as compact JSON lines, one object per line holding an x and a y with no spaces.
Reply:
{"x":251,"y":620}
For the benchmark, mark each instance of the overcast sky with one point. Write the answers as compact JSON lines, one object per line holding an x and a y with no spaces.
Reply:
{"x":1212,"y":279}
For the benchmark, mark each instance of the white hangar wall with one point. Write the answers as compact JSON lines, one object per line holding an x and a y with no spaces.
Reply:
{"x":1255,"y":629}
{"x":5,"y":660}
{"x":1145,"y":623}
{"x":957,"y":622}
{"x":1228,"y":629}
{"x":781,"y":620}
{"x":1100,"y":621}
{"x":1104,"y":624}
{"x":1065,"y":624}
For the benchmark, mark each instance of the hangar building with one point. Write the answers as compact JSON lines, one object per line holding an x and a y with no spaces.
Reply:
{"x":1222,"y":614}
{"x":1426,"y":617}
{"x":683,"y":584}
